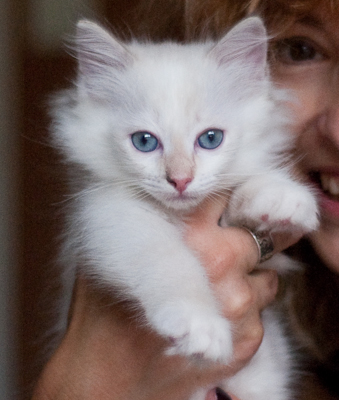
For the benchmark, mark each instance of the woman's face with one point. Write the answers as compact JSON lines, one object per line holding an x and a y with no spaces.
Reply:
{"x":307,"y":61}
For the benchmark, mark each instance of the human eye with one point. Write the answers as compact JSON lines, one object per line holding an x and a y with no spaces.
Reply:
{"x":295,"y":50}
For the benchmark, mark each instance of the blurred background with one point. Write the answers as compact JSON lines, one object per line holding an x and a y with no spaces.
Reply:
{"x":33,"y":64}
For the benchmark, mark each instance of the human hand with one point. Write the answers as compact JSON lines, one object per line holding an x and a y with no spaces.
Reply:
{"x":109,"y":353}
{"x":242,"y":289}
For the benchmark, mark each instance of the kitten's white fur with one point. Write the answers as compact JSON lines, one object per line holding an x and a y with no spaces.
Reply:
{"x":127,"y":221}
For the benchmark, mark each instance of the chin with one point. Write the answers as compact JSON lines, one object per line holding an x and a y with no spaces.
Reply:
{"x":181,"y":203}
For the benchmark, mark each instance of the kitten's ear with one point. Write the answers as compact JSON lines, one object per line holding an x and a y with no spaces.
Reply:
{"x":245,"y":44}
{"x":98,"y":50}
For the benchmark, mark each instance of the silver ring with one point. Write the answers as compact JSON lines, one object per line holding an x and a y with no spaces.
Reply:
{"x":264,"y":244}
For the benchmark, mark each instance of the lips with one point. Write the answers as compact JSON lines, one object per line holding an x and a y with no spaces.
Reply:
{"x":330,"y":184}
{"x":327,"y":183}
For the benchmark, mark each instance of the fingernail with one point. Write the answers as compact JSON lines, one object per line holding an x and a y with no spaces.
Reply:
{"x":221,"y":395}
{"x":211,"y":395}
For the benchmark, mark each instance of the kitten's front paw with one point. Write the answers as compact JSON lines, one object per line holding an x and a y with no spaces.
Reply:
{"x":195,"y":332}
{"x":280,"y":207}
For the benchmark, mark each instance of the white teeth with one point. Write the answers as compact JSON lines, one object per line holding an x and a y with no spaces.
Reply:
{"x":330,"y":184}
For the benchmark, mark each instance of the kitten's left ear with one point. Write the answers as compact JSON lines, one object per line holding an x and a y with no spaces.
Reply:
{"x":245,"y":44}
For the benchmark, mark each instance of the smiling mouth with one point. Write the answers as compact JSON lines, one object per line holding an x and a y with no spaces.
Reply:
{"x":328,"y":183}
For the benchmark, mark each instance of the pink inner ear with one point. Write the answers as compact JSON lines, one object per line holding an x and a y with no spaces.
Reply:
{"x":245,"y":44}
{"x":258,"y":56}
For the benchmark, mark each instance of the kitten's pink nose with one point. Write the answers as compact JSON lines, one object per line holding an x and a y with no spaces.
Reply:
{"x":179,"y":184}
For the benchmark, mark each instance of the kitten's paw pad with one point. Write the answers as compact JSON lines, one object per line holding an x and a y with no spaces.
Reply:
{"x":196,"y":333}
{"x":276,"y":207}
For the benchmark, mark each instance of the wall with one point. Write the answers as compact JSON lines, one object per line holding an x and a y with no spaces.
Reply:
{"x":9,"y":112}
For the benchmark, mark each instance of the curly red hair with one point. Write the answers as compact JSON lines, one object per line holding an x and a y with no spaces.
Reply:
{"x":214,"y":17}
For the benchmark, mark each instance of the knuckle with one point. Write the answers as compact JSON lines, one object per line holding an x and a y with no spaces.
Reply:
{"x":270,"y":290}
{"x":273,"y":283}
{"x":239,"y":304}
{"x":246,"y":349}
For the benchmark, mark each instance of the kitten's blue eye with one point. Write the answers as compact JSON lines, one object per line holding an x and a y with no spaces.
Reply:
{"x":211,"y":139}
{"x":144,"y":141}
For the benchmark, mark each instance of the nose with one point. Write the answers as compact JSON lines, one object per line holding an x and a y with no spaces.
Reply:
{"x":179,"y":183}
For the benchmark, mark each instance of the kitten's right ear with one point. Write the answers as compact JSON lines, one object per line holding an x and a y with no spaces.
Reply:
{"x":98,"y":50}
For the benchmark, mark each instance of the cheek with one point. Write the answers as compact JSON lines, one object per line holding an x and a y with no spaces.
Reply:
{"x":309,"y":91}
{"x":143,"y":165}
{"x":325,"y":242}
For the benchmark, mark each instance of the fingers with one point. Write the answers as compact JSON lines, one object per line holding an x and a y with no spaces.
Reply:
{"x":219,"y":394}
{"x":243,"y":297}
{"x":247,"y":337}
{"x":265,"y":284}
{"x":238,"y":294}
{"x":283,"y":240}
{"x":221,"y":249}
{"x":210,"y":211}
{"x":243,"y":290}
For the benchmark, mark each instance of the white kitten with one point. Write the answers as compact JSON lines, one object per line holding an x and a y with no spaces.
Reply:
{"x":158,"y":128}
